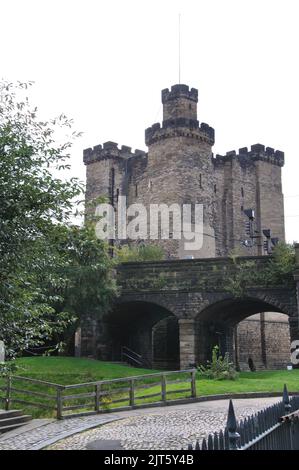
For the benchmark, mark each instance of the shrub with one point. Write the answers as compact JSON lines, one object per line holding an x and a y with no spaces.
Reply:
{"x":220,"y":368}
{"x":140,"y":253}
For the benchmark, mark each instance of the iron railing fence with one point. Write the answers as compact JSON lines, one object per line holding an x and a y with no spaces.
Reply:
{"x":274,"y":428}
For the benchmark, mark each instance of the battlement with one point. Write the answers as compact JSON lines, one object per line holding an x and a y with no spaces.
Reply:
{"x":157,"y":132}
{"x":179,"y":91}
{"x":110,"y":150}
{"x":256,"y":152}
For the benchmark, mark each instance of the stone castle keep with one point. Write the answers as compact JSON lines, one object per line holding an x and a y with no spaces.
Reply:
{"x":180,"y":168}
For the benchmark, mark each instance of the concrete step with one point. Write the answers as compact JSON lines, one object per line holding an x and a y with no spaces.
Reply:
{"x":14,"y":420}
{"x":9,"y":414}
{"x":4,"y":429}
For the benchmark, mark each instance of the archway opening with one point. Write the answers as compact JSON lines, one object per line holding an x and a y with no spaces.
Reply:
{"x":254,"y":340}
{"x":143,"y":332}
{"x":262,"y":341}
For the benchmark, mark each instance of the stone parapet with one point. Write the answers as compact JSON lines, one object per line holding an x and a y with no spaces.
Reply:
{"x":110,"y":150}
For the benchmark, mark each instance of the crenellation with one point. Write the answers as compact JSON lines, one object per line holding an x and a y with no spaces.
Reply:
{"x":139,"y":153}
{"x":125,"y":148}
{"x":257,"y":148}
{"x":178,"y":127}
{"x":179,"y":91}
{"x":269,"y":150}
{"x":110,"y":150}
{"x":257,"y":152}
{"x":110,"y":146}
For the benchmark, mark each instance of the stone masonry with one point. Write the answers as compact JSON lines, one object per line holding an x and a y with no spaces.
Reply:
{"x":173,"y":312}
{"x":180,"y":168}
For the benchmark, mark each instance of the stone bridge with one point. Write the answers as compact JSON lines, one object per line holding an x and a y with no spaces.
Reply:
{"x":177,"y":310}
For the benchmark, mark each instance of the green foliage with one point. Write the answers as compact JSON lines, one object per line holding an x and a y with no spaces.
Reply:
{"x":88,"y":285}
{"x":278,"y":272}
{"x":140,"y":253}
{"x":243,"y":276}
{"x":220,"y":368}
{"x":282,"y":265}
{"x":45,"y":260}
{"x":7,"y":368}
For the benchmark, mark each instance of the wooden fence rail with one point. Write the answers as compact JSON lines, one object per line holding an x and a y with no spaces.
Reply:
{"x":99,"y":396}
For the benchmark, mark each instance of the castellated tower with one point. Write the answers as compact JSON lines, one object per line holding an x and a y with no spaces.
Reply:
{"x":179,"y":168}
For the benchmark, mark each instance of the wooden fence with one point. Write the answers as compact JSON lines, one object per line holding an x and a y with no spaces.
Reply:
{"x":100,"y":396}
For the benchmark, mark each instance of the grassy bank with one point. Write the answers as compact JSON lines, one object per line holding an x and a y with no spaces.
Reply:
{"x":67,"y":371}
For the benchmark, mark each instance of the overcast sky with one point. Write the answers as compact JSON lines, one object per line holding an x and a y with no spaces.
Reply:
{"x":104,"y":63}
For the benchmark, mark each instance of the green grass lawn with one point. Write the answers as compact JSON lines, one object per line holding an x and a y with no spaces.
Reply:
{"x":68,"y":370}
{"x":71,"y":370}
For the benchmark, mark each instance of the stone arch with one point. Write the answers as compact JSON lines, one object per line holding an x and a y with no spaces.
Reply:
{"x":216,"y":323}
{"x":159,"y":299}
{"x":226,"y":308}
{"x":139,"y":324}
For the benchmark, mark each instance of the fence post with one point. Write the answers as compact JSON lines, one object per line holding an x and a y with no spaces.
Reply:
{"x":233,"y":435}
{"x":97,"y":398}
{"x":193,"y":384}
{"x":286,"y":399}
{"x":132,"y":393}
{"x":287,"y":408}
{"x":8,"y":393}
{"x":163,"y":387}
{"x":59,"y":402}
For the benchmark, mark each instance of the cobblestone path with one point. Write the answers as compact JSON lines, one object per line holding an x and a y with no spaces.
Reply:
{"x":160,"y":428}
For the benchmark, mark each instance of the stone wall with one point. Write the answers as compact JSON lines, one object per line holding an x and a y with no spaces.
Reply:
{"x":265,"y":340}
{"x":248,"y":180}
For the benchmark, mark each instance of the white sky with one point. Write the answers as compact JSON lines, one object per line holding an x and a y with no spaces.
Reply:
{"x":104,"y":63}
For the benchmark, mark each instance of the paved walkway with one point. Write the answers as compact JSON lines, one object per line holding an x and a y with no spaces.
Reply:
{"x":148,"y":428}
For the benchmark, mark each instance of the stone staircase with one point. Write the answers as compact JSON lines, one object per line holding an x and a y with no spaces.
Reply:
{"x":12,"y":419}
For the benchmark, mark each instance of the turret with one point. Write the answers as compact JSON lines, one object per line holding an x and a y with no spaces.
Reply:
{"x":179,"y":102}
{"x":180,"y":117}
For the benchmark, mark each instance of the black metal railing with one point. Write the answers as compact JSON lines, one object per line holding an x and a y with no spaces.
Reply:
{"x":274,"y":428}
{"x":133,"y":358}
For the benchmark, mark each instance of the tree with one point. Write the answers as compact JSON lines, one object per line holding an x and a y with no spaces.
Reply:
{"x":89,"y":285}
{"x":41,"y":252}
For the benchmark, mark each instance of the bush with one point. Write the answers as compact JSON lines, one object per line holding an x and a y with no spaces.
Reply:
{"x":220,"y":368}
{"x":140,"y":253}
